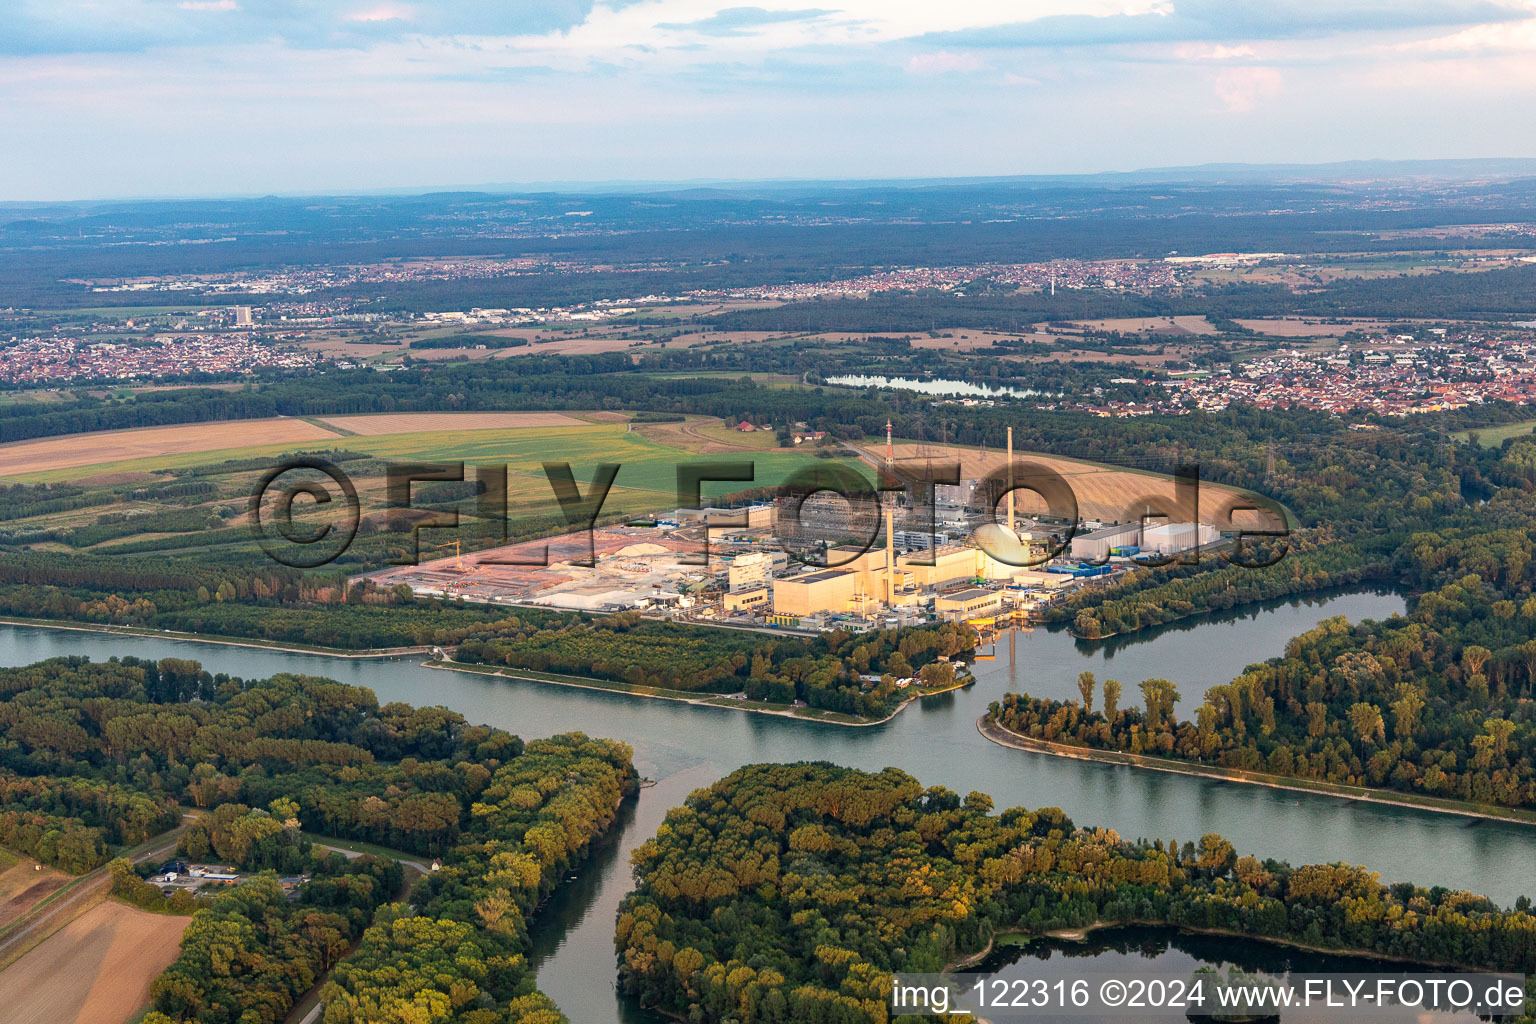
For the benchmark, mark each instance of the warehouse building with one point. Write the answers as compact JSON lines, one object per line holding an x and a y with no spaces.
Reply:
{"x":968,"y":604}
{"x":1095,"y":546}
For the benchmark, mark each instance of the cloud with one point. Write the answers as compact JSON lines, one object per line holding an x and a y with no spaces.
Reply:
{"x":1201,"y":20}
{"x":1240,"y":89}
{"x":354,"y":93}
{"x":1479,"y":40}
{"x":943,"y":62}
{"x":383,"y":12}
{"x":735,"y":21}
{"x":1219,"y":52}
{"x":130,"y":26}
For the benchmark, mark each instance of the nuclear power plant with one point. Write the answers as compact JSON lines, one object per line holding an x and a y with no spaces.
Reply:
{"x":965,"y":551}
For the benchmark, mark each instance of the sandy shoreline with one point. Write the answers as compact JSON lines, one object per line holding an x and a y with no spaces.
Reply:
{"x":1006,"y":738}
{"x":712,"y":700}
{"x":198,"y":638}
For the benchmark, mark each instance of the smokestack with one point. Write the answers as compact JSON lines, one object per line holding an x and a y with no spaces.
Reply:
{"x":890,"y":557}
{"x":1010,"y":483}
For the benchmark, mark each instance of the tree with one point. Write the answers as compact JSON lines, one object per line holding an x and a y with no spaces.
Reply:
{"x":1160,"y":696}
{"x":1366,"y":719}
{"x":1216,"y":854}
{"x":1086,"y":684}
{"x":1406,"y":708}
{"x":1111,"y":698}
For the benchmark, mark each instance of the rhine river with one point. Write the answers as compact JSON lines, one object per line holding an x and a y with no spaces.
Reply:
{"x":683,"y":747}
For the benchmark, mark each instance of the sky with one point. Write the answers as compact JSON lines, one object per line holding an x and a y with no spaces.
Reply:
{"x":130,"y":98}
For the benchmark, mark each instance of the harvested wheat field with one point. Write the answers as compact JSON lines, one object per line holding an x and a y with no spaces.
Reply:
{"x":1297,"y":327}
{"x":1107,"y":493}
{"x":70,"y":450}
{"x":424,"y":422}
{"x":94,"y":970}
{"x":23,"y":886}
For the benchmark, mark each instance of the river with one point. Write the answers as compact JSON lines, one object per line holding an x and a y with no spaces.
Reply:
{"x":684,"y":746}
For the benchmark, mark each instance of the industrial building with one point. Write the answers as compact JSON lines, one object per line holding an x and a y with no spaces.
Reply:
{"x":1128,"y":540}
{"x":828,"y":590}
{"x":1175,"y":537}
{"x":749,"y":571}
{"x":968,"y":604}
{"x":755,"y":601}
{"x":1095,"y":546}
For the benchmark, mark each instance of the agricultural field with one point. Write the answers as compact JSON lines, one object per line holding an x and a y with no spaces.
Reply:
{"x":1176,"y":325}
{"x":151,"y":449}
{"x":210,"y":519}
{"x":55,"y":458}
{"x":24,"y":884}
{"x":423,"y":422}
{"x":705,"y":434}
{"x":1493,"y":437}
{"x":94,"y":970}
{"x":1107,"y":493}
{"x":127,"y":508}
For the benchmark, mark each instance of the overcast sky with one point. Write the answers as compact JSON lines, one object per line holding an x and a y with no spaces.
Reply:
{"x":205,"y":97}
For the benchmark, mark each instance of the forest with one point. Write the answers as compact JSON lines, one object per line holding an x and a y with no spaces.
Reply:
{"x":99,"y":756}
{"x":826,"y":671}
{"x":1437,"y":701}
{"x":791,"y":893}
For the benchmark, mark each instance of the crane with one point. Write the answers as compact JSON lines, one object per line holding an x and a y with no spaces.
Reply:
{"x":458,"y":557}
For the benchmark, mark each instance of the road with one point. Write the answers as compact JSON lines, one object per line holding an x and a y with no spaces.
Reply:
{"x":354,"y":854}
{"x":49,"y":917}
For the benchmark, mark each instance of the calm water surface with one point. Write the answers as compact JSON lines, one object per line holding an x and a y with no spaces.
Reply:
{"x":684,"y":747}
{"x":1169,"y":956}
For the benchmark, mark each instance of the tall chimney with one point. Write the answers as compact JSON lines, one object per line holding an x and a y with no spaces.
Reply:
{"x":1010,"y":483}
{"x":890,"y":557}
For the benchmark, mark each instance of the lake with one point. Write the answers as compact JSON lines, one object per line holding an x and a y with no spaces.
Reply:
{"x":938,"y":386}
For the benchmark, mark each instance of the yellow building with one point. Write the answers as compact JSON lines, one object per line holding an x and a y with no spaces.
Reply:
{"x":1042,"y":580}
{"x":831,"y":590}
{"x":755,"y":600}
{"x":749,"y":571}
{"x":968,"y":604}
{"x":951,"y":564}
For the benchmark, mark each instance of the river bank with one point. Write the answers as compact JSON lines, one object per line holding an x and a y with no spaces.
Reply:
{"x":226,"y":641}
{"x":1082,"y":934}
{"x":715,"y":700}
{"x":1361,"y":794}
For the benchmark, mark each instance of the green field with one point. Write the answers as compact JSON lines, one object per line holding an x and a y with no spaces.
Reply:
{"x":646,"y":483}
{"x":646,"y":465}
{"x":1492,"y":437}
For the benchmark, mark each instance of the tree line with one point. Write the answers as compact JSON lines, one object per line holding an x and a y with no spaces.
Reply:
{"x":852,"y":673}
{"x":792,"y":893}
{"x":97,"y":756}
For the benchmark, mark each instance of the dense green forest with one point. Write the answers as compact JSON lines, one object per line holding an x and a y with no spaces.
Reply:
{"x":791,"y":893}
{"x":95,"y":757}
{"x":825,"y":671}
{"x":251,"y":952}
{"x":1438,"y":701}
